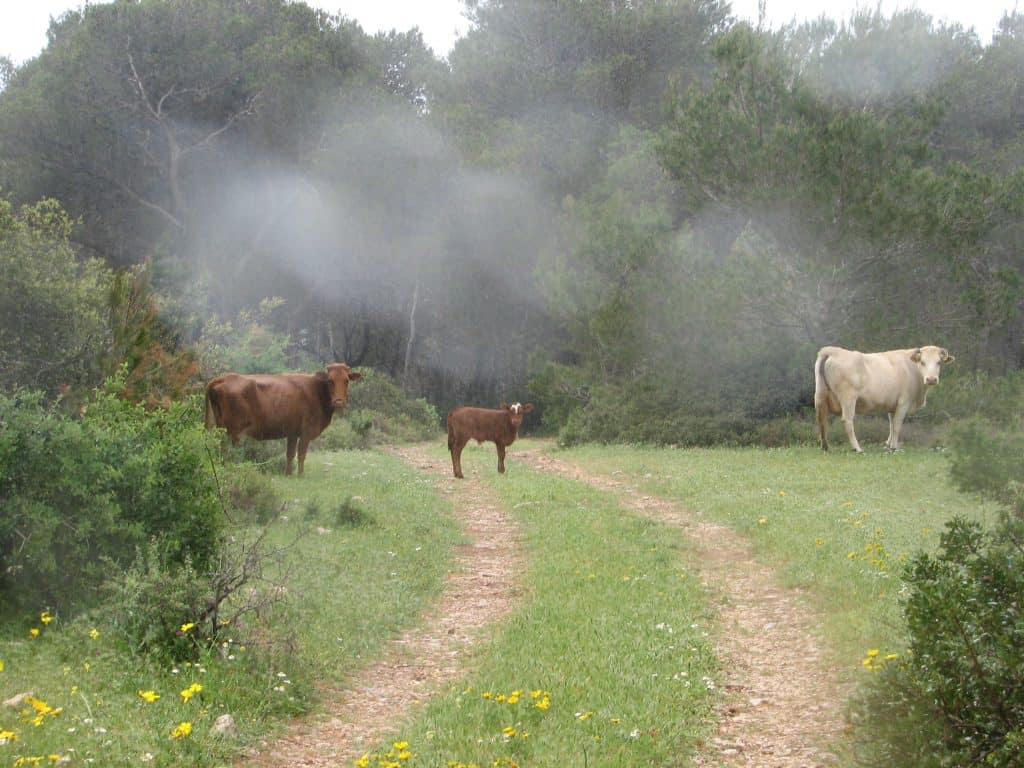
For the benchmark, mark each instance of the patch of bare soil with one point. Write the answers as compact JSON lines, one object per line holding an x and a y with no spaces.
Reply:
{"x":479,"y":592}
{"x":782,"y":700}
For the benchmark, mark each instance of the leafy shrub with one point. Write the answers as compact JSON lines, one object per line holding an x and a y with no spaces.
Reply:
{"x":379,"y":412}
{"x":643,"y":413}
{"x":148,"y":603}
{"x":964,"y":394}
{"x":957,"y":698}
{"x":988,"y":462}
{"x":80,"y":495}
{"x":53,"y":305}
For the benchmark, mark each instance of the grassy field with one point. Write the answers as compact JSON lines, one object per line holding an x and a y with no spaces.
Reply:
{"x":606,"y":661}
{"x":838,"y":525}
{"x":369,"y":546}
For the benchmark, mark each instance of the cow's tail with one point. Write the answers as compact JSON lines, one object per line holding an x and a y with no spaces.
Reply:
{"x":451,"y":434}
{"x":210,"y":416}
{"x":821,"y":396}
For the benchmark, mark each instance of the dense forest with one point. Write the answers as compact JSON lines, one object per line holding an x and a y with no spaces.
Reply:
{"x":646,"y":216}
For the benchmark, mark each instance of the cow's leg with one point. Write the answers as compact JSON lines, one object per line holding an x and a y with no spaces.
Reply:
{"x":303,"y":445}
{"x":290,"y":456}
{"x":821,"y":411}
{"x":457,"y":447}
{"x":895,"y":425}
{"x":849,"y":410}
{"x":501,"y":458}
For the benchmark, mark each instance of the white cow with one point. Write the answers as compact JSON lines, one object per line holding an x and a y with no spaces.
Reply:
{"x":849,"y":382}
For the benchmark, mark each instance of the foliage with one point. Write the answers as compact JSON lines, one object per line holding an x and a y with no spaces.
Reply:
{"x":652,"y":195}
{"x":79,"y":495}
{"x":989,"y":461}
{"x":53,"y":323}
{"x":246,"y":344}
{"x":379,"y":412}
{"x":957,"y":698}
{"x":157,"y":368}
{"x":146,"y":603}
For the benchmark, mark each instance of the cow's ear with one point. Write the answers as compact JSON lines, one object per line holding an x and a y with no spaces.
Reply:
{"x":947,"y":358}
{"x":527,"y":407}
{"x":916,"y":356}
{"x":504,"y":407}
{"x":354,"y":375}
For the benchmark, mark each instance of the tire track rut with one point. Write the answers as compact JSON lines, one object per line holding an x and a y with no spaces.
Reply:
{"x":480,"y":590}
{"x":783,"y":701}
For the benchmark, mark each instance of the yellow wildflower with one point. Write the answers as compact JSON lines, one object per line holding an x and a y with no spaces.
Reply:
{"x":34,"y":632}
{"x":46,"y":617}
{"x":191,"y":691}
{"x":509,"y":731}
{"x":762,"y":520}
{"x":187,"y":626}
{"x":400,"y":745}
{"x":6,"y":736}
{"x":363,"y":762}
{"x":150,"y":696}
{"x":181,"y":730}
{"x":94,"y":633}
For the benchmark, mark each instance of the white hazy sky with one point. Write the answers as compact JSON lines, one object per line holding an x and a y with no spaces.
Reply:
{"x":23,"y":23}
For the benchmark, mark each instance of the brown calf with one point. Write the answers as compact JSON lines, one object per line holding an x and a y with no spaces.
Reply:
{"x":295,"y":406}
{"x":500,"y":427}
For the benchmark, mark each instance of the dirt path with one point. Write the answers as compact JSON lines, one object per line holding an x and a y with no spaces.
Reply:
{"x":782,"y":698}
{"x":479,"y":592}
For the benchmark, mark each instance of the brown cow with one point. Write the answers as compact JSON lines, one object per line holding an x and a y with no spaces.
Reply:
{"x":500,"y":427}
{"x":848,"y":382}
{"x":295,"y":406}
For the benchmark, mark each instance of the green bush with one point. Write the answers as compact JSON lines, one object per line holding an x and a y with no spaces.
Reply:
{"x":988,"y":462}
{"x":378,"y":413}
{"x":957,"y":697}
{"x":643,"y":414}
{"x":80,"y":495}
{"x":147,"y":605}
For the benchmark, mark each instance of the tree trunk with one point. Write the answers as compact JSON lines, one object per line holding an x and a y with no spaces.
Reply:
{"x":412,"y":336}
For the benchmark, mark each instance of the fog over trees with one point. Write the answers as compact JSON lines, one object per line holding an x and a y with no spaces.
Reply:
{"x":639,"y":214}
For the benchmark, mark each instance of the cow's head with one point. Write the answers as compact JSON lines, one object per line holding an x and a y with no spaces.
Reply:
{"x":515,"y":413}
{"x":929,"y":360}
{"x":338,"y":377}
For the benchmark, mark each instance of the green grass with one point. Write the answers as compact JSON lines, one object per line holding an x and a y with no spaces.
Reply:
{"x":612,"y":621}
{"x":611,"y":630}
{"x":351,"y":587}
{"x":839,"y":524}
